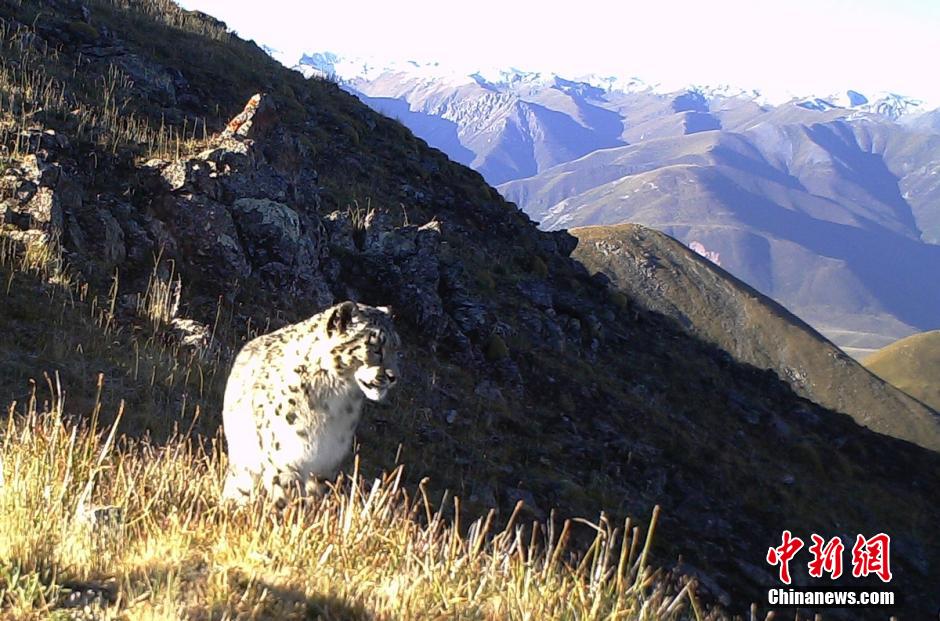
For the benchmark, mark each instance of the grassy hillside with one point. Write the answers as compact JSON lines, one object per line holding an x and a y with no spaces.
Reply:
{"x":912,"y":364}
{"x":665,"y":276}
{"x":146,"y":242}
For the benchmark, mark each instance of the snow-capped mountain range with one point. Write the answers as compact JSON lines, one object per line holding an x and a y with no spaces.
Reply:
{"x":356,"y":70}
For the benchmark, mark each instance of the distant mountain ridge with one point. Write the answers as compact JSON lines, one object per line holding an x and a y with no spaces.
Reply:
{"x":357,"y":70}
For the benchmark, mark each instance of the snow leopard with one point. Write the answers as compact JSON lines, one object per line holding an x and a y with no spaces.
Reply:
{"x":294,"y":398}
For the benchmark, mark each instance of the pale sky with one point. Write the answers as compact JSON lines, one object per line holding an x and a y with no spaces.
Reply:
{"x":800,"y":46}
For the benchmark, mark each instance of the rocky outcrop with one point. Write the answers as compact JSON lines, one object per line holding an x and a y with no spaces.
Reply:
{"x":247,"y":210}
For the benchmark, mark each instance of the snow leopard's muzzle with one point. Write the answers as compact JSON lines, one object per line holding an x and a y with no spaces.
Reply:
{"x":375,"y":382}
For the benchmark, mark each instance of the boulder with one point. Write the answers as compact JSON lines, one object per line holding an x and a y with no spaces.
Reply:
{"x":271,"y":232}
{"x":284,"y":247}
{"x":42,"y":196}
{"x":96,"y":232}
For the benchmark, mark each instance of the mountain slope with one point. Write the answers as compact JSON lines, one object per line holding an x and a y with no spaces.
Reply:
{"x":912,"y":364}
{"x":523,"y":378}
{"x":663,"y":275}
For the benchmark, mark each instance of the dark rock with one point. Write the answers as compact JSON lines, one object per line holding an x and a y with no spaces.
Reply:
{"x":565,"y":242}
{"x":205,"y":233}
{"x":91,"y":597}
{"x":285,"y":247}
{"x":468,"y":313}
{"x":601,"y":280}
{"x":340,"y":231}
{"x":151,"y":79}
{"x":484,"y":495}
{"x":271,"y":232}
{"x":95,"y":232}
{"x":537,"y":291}
{"x":513,"y":495}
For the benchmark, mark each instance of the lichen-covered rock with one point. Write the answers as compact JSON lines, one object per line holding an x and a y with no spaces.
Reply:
{"x":284,"y":247}
{"x":339,"y":229}
{"x":228,"y":152}
{"x":272,"y":232}
{"x":192,"y":335}
{"x":192,"y":175}
{"x":42,"y":195}
{"x":224,"y":214}
{"x":42,"y":173}
{"x":257,"y":118}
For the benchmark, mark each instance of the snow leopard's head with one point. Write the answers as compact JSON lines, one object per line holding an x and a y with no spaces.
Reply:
{"x":367,"y":346}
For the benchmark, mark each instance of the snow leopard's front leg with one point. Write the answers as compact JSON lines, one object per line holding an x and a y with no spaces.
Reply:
{"x":240,"y":484}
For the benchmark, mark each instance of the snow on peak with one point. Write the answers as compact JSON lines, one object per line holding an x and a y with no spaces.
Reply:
{"x":895,"y":106}
{"x":888,"y":105}
{"x":348,"y":69}
{"x":351,"y":70}
{"x":611,"y":83}
{"x":508,"y":77}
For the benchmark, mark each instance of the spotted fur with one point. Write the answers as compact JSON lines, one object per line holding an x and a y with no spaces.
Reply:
{"x":294,"y":398}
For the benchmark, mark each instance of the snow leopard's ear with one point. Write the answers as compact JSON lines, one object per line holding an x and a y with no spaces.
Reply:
{"x":340,"y":318}
{"x":385,"y":309}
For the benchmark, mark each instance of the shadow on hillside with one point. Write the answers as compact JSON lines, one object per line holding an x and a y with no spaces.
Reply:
{"x":264,"y":600}
{"x":294,"y":604}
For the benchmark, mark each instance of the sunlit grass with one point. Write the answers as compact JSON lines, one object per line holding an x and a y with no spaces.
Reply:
{"x":367,"y":549}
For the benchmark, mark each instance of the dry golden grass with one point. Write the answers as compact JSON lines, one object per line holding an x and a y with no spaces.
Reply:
{"x":366,"y":550}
